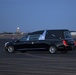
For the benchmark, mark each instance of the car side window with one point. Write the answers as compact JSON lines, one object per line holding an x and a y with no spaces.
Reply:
{"x":67,"y":34}
{"x":24,"y":38}
{"x":51,"y":35}
{"x":34,"y":37}
{"x":54,"y":34}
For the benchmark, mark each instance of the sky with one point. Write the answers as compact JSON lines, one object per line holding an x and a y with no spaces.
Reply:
{"x":33,"y":15}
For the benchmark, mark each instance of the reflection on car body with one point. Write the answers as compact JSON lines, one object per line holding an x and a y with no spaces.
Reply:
{"x":51,"y":40}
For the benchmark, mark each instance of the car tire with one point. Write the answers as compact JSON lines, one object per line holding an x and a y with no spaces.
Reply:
{"x":53,"y":49}
{"x":64,"y":51}
{"x":10,"y":49}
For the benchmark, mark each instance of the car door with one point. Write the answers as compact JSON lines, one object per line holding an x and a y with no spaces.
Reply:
{"x":21,"y":43}
{"x":32,"y":41}
{"x":28,"y":42}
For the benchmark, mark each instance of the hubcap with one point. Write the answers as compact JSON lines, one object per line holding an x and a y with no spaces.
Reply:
{"x":52,"y":50}
{"x":10,"y":49}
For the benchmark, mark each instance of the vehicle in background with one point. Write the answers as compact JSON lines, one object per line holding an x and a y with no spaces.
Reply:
{"x":49,"y":40}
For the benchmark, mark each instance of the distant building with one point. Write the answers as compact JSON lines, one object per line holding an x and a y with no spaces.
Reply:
{"x":18,"y":30}
{"x":73,"y":33}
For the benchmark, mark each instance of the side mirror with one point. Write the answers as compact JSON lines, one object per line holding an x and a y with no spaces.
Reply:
{"x":17,"y":41}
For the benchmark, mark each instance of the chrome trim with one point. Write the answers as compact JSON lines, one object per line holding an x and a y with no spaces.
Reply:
{"x":31,"y":49}
{"x":42,"y":37}
{"x":6,"y":44}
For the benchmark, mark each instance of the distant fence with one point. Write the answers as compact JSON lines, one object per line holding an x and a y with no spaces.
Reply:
{"x":10,"y":36}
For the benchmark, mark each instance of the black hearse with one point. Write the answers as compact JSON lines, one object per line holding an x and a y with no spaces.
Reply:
{"x":51,"y":40}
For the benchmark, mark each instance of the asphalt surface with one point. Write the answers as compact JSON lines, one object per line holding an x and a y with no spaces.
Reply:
{"x":36,"y":63}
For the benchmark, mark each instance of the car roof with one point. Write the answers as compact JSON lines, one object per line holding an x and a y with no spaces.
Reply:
{"x":41,"y":31}
{"x":58,"y":30}
{"x":36,"y":32}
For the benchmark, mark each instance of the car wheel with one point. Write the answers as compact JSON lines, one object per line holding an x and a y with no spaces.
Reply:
{"x":10,"y":49}
{"x":52,"y":49}
{"x":64,"y":51}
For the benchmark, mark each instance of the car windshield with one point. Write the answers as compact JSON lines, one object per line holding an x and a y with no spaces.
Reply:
{"x":67,"y":34}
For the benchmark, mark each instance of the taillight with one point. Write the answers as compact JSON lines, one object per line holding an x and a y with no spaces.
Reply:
{"x":65,"y":43}
{"x":75,"y":43}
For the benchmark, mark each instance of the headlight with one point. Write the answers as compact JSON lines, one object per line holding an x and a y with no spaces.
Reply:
{"x":6,"y":44}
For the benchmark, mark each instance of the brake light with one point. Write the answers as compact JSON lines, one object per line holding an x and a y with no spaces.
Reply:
{"x":65,"y":43}
{"x":75,"y":43}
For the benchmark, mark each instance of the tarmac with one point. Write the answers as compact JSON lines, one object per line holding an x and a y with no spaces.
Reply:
{"x":36,"y":62}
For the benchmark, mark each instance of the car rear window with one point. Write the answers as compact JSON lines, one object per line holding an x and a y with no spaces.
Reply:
{"x":67,"y":34}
